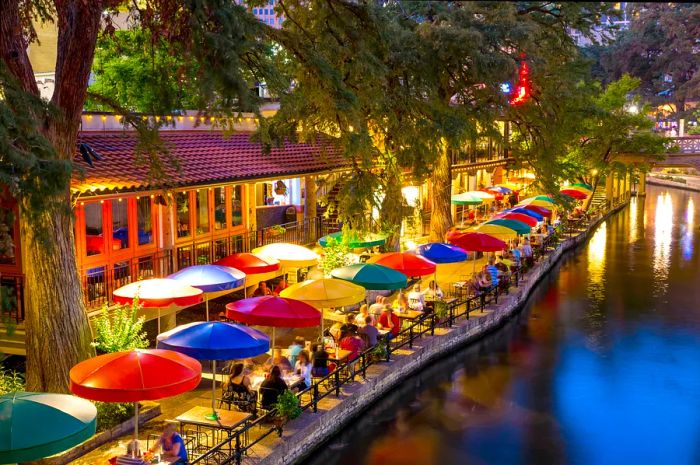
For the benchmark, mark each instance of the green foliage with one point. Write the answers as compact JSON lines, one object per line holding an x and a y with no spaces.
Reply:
{"x":277,"y":229}
{"x":11,"y":381}
{"x":381,"y":350}
{"x":118,"y":329}
{"x":288,"y":405}
{"x":336,"y":254}
{"x":440,"y":308}
{"x":111,"y":414}
{"x":659,"y":48}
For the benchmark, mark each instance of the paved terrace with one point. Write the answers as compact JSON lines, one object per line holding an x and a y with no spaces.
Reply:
{"x":268,"y":446}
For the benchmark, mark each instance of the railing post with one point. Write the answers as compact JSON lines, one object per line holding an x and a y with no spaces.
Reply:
{"x":451,"y":317}
{"x":432,"y":324}
{"x":238,"y":453}
{"x":336,"y":375}
{"x":410,"y":336}
{"x":315,"y":397}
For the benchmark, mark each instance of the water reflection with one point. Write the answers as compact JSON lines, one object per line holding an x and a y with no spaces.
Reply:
{"x":663,"y":233}
{"x":688,"y":238}
{"x":596,"y":263}
{"x":634,"y":214}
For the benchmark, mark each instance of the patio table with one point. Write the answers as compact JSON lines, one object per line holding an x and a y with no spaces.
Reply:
{"x":229,"y":420}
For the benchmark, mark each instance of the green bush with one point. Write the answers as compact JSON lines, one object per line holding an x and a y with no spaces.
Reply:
{"x":110,"y":414}
{"x":11,"y":381}
{"x":119,"y":329}
{"x":287,"y":405}
{"x":336,"y":254}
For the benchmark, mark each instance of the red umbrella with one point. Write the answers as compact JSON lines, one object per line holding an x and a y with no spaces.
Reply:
{"x":273,"y":311}
{"x":576,"y":194}
{"x":135,"y":375}
{"x":528,"y":220}
{"x":407,"y":263}
{"x":250,"y":263}
{"x":541,"y":210}
{"x":277,"y":312}
{"x":475,"y":241}
{"x":158,"y":293}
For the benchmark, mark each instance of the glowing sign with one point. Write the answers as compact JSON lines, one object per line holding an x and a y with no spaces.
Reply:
{"x":522,"y":90}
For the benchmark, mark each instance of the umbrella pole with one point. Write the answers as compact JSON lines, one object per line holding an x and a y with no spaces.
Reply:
{"x":206,"y":306}
{"x":136,"y":426}
{"x":214,"y":416}
{"x":158,"y":320}
{"x":272,"y":352}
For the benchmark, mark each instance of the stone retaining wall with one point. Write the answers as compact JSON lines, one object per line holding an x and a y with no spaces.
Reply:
{"x":296,"y":447}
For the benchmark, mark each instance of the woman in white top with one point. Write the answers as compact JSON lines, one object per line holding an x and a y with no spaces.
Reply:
{"x":433,"y":292}
{"x":362,"y":316}
{"x":416,"y":301}
{"x":303,"y":368}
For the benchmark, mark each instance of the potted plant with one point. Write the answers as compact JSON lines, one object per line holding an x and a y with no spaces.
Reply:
{"x":287,"y":408}
{"x":280,"y":188}
{"x":381,"y":350}
{"x":440,"y":309}
{"x":277,"y":230}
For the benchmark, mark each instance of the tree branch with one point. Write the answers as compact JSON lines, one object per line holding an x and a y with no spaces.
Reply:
{"x":13,"y":46}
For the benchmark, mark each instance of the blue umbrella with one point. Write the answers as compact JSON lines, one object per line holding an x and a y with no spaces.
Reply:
{"x":215,"y":340}
{"x":501,"y":189}
{"x":210,"y":278}
{"x":525,"y":211}
{"x":440,"y":252}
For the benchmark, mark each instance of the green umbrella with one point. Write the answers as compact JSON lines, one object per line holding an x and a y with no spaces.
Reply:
{"x":465,"y":198}
{"x":371,"y":276}
{"x":583,"y":186}
{"x":35,"y":425}
{"x":517,"y":226}
{"x":355,"y":241}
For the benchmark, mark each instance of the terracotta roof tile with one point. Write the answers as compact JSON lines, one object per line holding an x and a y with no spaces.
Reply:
{"x":205,"y":157}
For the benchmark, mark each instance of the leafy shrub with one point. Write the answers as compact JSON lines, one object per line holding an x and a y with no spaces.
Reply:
{"x":11,"y":381}
{"x":336,"y":254}
{"x":119,"y":329}
{"x":111,"y":414}
{"x":287,"y":405}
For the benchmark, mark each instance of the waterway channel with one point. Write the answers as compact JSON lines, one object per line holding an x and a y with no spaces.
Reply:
{"x":602,"y":367}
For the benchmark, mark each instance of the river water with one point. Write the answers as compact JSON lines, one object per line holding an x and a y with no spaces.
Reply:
{"x":601,"y":367}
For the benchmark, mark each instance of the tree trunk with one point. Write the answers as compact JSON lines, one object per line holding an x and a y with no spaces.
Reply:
{"x":392,"y":210}
{"x":441,"y":179}
{"x":58,"y":334}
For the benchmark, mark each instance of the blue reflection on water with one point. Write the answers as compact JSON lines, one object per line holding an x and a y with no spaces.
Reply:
{"x":638,"y":403}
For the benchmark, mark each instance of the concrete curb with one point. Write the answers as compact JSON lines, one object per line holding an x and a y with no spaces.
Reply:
{"x":295,"y":447}
{"x":675,"y":185}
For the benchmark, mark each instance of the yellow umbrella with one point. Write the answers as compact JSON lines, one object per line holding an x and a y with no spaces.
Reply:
{"x":510,"y":185}
{"x":289,"y":255}
{"x":325,"y":292}
{"x":499,"y":232}
{"x":538,"y":201}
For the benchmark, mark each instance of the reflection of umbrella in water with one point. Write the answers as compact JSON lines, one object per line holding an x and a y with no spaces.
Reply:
{"x":488,"y":386}
{"x":215,"y":340}
{"x":34,"y":425}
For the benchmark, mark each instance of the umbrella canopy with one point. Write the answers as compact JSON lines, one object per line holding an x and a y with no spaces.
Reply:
{"x":496,"y":230}
{"x":273,"y":311}
{"x":371,"y":276}
{"x":37,"y":425}
{"x":574,"y":193}
{"x":538,"y":201}
{"x":476,"y":242}
{"x":135,"y":375}
{"x":509,"y":185}
{"x":481,"y":195}
{"x":159,"y":292}
{"x":355,"y":241}
{"x":542,"y":211}
{"x":407,"y":263}
{"x":500,"y":189}
{"x":528,"y":212}
{"x":325,"y":293}
{"x":250,"y":263}
{"x":465,"y":198}
{"x":215,"y":340}
{"x":527,"y":219}
{"x":440,"y":252}
{"x":583,"y":185}
{"x":517,"y":226}
{"x":291,"y":255}
{"x":210,"y":278}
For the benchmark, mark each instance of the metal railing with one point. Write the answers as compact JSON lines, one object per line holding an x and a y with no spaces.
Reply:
{"x":235,"y":447}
